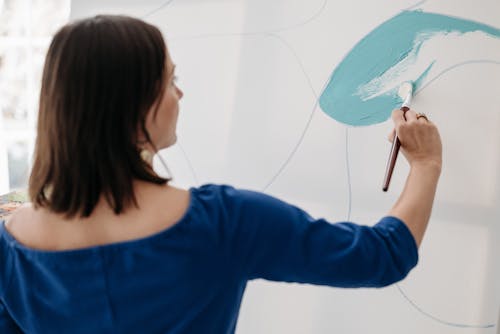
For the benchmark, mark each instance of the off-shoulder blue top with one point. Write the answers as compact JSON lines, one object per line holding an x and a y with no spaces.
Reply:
{"x":190,"y":278}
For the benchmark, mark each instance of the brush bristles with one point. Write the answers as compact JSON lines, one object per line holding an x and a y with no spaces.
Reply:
{"x":405,"y":89}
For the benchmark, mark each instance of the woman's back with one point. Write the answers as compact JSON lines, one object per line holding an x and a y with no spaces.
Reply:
{"x":160,"y":206}
{"x":190,"y":277}
{"x":151,"y":270}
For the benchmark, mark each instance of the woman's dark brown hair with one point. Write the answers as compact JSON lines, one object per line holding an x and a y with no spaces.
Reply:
{"x":101,"y":77}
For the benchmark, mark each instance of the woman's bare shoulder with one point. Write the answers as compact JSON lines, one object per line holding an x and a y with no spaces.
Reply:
{"x":159,"y":207}
{"x":18,"y":222}
{"x":170,"y":201}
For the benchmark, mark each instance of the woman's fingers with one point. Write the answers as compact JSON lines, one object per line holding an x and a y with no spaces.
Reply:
{"x":398,"y":116}
{"x":411,"y":115}
{"x":420,"y":140}
{"x":391,"y":135}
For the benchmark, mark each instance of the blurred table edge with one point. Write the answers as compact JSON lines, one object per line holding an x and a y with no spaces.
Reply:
{"x":11,"y":201}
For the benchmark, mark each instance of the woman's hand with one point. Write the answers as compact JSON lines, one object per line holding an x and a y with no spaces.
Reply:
{"x":419,"y":137}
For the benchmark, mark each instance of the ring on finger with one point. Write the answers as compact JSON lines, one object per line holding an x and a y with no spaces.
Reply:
{"x":421,"y":114}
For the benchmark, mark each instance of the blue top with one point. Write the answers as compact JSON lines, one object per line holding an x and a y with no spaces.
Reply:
{"x":190,"y":278}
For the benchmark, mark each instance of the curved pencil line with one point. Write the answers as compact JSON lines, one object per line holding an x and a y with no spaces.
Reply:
{"x":309,"y":82}
{"x":287,"y":161}
{"x":191,"y":168}
{"x":165,"y":4}
{"x":271,"y":33}
{"x":297,"y":58}
{"x":447,"y":323}
{"x":308,"y":123}
{"x":263,"y":32}
{"x":412,"y":303}
{"x":300,"y":24}
{"x":416,"y":5}
{"x":301,"y":138}
{"x":294,"y":150}
{"x":212,"y":35}
{"x":469,"y":62}
{"x":164,"y":164}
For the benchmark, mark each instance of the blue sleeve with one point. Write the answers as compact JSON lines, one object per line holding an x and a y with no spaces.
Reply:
{"x":268,"y":238}
{"x":7,"y":325}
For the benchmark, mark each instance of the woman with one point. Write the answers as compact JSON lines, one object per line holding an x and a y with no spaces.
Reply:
{"x":108,"y":246}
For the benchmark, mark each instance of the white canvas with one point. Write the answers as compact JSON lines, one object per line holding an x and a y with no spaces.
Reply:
{"x":252,"y":72}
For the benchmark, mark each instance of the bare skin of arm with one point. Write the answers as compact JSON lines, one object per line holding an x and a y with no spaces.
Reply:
{"x":421,"y":146}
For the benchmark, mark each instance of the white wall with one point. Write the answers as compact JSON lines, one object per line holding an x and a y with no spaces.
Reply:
{"x":250,"y":89}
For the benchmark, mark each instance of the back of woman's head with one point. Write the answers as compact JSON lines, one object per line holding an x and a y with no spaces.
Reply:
{"x":101,"y":77}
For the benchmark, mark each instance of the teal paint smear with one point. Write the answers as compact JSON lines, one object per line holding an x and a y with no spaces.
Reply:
{"x":395,"y":41}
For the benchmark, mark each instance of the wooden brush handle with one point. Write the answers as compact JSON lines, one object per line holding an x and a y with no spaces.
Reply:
{"x":396,"y":145}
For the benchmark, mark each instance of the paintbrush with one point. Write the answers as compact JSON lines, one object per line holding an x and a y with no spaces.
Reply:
{"x":406,"y":93}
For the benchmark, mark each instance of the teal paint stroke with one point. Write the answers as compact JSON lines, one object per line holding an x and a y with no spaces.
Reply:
{"x":395,"y":42}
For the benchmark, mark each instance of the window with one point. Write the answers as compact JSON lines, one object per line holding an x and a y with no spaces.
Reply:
{"x":26,"y":29}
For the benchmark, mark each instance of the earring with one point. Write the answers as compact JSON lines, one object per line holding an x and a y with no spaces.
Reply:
{"x":147,"y":156}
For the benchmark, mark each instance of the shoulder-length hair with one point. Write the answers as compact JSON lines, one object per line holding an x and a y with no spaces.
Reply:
{"x":101,"y":77}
